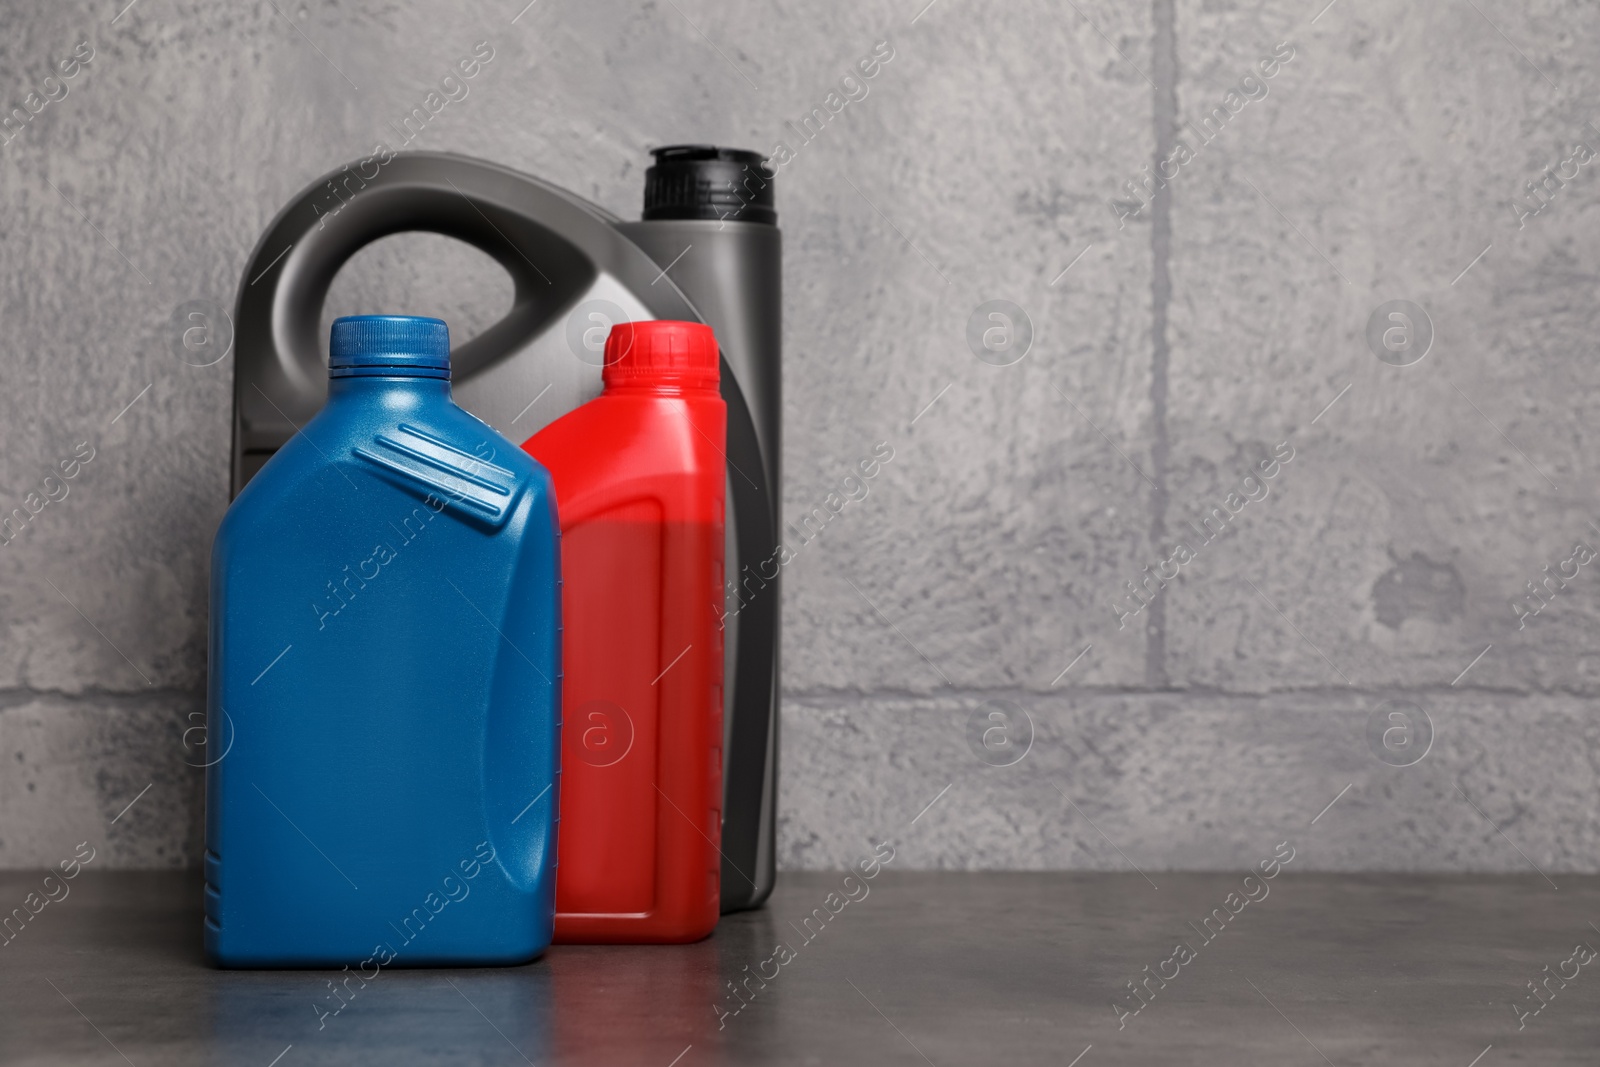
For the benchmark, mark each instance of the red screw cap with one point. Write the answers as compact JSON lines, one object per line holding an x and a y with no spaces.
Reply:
{"x":661,"y":352}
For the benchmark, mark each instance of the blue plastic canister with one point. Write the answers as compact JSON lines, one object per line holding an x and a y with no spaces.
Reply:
{"x":385,"y":681}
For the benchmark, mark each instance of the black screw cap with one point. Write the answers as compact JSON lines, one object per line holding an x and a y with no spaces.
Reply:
{"x":698,"y":181}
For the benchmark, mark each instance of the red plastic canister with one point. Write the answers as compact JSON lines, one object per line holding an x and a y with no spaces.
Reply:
{"x":639,"y":477}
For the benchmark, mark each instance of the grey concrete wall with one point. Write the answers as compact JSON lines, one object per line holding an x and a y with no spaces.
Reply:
{"x":1177,"y":341}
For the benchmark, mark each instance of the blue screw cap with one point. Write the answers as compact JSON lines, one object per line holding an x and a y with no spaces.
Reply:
{"x":396,"y":346}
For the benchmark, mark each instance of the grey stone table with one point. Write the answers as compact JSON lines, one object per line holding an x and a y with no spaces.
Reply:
{"x":925,"y":968}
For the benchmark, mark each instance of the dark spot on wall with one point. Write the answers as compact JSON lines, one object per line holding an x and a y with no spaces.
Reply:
{"x":1418,"y":588}
{"x":1051,"y":205}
